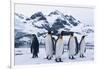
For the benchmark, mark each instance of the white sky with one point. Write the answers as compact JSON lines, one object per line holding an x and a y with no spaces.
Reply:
{"x":85,"y":15}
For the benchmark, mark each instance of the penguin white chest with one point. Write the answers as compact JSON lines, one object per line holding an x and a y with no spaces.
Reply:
{"x":59,"y":48}
{"x":48,"y":45}
{"x":72,"y":46}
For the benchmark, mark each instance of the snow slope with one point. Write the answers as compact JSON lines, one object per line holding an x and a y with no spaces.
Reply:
{"x":24,"y":57}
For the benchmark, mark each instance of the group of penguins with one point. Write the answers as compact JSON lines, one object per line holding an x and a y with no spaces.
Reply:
{"x":56,"y":47}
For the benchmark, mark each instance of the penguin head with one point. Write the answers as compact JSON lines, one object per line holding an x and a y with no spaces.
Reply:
{"x":53,"y":38}
{"x":62,"y":32}
{"x":72,"y":33}
{"x":83,"y":36}
{"x":33,"y":35}
{"x":49,"y":32}
{"x":61,"y":35}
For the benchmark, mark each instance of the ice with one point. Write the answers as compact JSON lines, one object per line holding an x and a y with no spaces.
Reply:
{"x":24,"y":57}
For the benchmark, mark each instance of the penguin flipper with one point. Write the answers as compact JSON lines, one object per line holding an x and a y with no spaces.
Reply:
{"x":31,"y":49}
{"x":85,"y":49}
{"x":68,"y":44}
{"x":76,"y":51}
{"x":63,"y":51}
{"x":77,"y":46}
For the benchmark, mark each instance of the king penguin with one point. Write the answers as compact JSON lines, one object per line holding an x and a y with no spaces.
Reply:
{"x":49,"y":46}
{"x":35,"y":46}
{"x":82,"y":47}
{"x":72,"y":46}
{"x":59,"y":48}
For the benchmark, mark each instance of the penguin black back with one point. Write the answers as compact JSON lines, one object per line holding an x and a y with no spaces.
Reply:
{"x":35,"y":45}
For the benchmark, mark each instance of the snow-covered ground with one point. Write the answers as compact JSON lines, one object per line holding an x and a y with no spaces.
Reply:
{"x":24,"y":57}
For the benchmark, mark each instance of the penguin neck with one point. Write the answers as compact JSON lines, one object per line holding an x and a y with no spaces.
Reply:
{"x":60,"y":38}
{"x":49,"y":34}
{"x":83,"y":38}
{"x":72,"y":36}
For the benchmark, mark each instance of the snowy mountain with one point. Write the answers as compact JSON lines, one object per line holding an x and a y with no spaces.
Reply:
{"x":56,"y":21}
{"x":53,"y":21}
{"x":88,"y":29}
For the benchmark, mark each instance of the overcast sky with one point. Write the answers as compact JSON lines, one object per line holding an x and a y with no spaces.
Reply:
{"x":85,"y":15}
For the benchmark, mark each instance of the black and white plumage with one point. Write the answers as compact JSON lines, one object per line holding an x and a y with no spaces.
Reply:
{"x":35,"y":46}
{"x":49,"y":46}
{"x":59,"y":48}
{"x":82,"y":47}
{"x":72,"y":46}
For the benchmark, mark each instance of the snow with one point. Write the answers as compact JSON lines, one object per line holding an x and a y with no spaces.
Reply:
{"x":24,"y":39}
{"x":18,"y":23}
{"x":39,"y":23}
{"x":89,"y":38}
{"x":24,"y":57}
{"x":77,"y":28}
{"x":51,"y":19}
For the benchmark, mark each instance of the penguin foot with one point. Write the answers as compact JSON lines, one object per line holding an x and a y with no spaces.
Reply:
{"x":49,"y":58}
{"x":36,"y":56}
{"x":69,"y":57}
{"x":33,"y":56}
{"x":60,"y":60}
{"x":46,"y":57}
{"x":73,"y":57}
{"x":56,"y":60}
{"x":82,"y":56}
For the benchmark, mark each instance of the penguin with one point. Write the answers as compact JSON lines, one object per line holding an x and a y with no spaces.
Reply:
{"x":49,"y":46}
{"x":82,"y":47}
{"x":35,"y":47}
{"x":59,"y":48}
{"x":72,"y":46}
